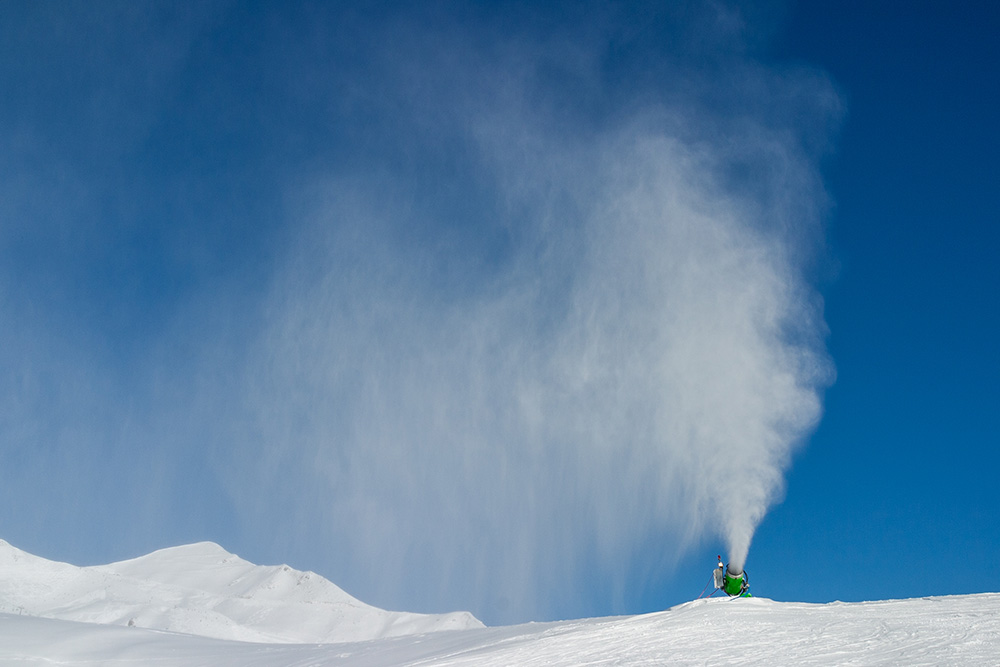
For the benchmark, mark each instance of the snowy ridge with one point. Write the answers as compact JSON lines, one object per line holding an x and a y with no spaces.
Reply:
{"x":201,"y":589}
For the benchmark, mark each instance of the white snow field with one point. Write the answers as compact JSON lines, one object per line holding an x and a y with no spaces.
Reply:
{"x":190,"y":606}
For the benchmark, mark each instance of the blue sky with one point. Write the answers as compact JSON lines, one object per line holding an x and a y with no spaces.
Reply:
{"x":894,"y":488}
{"x":473,"y":308}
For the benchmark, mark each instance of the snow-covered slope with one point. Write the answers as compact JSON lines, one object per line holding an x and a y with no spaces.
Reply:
{"x":959,"y":630}
{"x":201,"y":589}
{"x":215,"y":598}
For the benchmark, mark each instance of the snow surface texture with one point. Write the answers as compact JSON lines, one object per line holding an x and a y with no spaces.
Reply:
{"x":206,"y":591}
{"x":201,"y":589}
{"x":958,"y":630}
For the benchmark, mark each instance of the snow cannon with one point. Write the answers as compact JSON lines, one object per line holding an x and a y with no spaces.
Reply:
{"x":735,"y":583}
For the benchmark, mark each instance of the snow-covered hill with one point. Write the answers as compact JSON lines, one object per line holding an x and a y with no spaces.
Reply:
{"x":202,"y":589}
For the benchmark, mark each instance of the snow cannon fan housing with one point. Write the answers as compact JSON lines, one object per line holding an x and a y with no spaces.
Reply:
{"x":736,"y":583}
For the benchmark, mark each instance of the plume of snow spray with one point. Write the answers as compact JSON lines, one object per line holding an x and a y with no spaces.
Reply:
{"x":529,"y":294}
{"x":580,"y":342}
{"x":641,"y":363}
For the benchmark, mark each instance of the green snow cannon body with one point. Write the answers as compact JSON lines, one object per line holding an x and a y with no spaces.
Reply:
{"x":736,"y":583}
